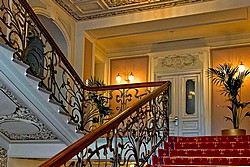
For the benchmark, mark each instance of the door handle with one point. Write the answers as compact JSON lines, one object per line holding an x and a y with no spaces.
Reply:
{"x":176,"y":121}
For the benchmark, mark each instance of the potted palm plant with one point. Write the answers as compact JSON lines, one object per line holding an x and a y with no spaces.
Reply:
{"x":230,"y":79}
{"x":100,"y":100}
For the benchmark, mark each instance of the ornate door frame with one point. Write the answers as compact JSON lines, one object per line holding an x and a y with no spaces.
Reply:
{"x":180,"y":62}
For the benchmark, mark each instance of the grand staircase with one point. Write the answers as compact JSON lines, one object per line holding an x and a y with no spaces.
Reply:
{"x":204,"y":151}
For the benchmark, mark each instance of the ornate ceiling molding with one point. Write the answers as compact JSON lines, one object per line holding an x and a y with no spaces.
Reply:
{"x":119,"y":7}
{"x":33,"y":129}
{"x":116,"y":3}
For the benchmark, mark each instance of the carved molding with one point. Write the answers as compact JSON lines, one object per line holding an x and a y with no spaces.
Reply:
{"x":112,"y":3}
{"x":126,"y":4}
{"x":3,"y":157}
{"x":178,"y":61}
{"x":68,"y":9}
{"x":23,"y":116}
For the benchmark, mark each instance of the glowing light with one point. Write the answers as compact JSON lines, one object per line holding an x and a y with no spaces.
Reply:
{"x":131,"y":77}
{"x":118,"y":78}
{"x":241,"y":67}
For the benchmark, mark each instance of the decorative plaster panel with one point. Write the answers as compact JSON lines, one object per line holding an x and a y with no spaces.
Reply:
{"x":21,"y":124}
{"x":179,"y":62}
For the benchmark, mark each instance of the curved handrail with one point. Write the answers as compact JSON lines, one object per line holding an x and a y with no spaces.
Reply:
{"x":88,"y":139}
{"x":38,"y":23}
{"x":125,"y":86}
{"x":35,"y":47}
{"x":69,"y":90}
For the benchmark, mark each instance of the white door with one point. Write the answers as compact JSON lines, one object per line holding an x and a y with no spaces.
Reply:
{"x":186,"y":118}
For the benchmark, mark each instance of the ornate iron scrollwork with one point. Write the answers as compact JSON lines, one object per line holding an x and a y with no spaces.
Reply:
{"x":134,"y":139}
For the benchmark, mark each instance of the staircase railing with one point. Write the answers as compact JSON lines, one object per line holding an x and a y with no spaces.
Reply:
{"x":132,"y":136}
{"x":127,"y":120}
{"x":22,"y":31}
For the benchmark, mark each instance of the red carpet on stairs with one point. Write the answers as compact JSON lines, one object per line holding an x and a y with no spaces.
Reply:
{"x":204,"y":151}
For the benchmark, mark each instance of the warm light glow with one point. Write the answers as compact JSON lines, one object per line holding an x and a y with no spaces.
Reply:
{"x":131,"y":77}
{"x":241,"y":67}
{"x":128,"y":78}
{"x":118,"y":78}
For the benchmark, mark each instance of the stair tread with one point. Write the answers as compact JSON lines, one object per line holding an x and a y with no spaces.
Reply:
{"x":208,"y":138}
{"x":243,"y":161}
{"x":205,"y":152}
{"x":215,"y":149}
{"x":207,"y":157}
{"x":206,"y":145}
{"x":196,"y":165}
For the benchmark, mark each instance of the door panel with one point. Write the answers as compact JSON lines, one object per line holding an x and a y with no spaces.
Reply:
{"x":185,"y":105}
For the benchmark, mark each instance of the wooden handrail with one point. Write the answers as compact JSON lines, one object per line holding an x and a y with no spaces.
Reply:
{"x":125,"y":86}
{"x":51,"y":41}
{"x":88,"y":139}
{"x":48,"y":37}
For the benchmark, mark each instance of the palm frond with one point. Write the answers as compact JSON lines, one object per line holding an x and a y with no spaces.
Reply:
{"x":228,"y":119}
{"x":230,"y":80}
{"x":93,"y":81}
{"x":247,"y":114}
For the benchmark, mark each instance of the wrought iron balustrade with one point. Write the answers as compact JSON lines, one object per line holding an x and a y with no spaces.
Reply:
{"x":132,"y":136}
{"x":22,"y":31}
{"x":103,"y":103}
{"x":129,"y":120}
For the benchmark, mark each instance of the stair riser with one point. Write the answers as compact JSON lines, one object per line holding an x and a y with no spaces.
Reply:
{"x":212,"y":153}
{"x":215,"y":145}
{"x":206,"y":161}
{"x":206,"y":153}
{"x":209,"y":138}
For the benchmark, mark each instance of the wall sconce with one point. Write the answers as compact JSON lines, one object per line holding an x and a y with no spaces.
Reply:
{"x":129,"y":78}
{"x":241,"y":67}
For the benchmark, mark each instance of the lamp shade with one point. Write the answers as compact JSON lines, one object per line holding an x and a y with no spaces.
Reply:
{"x":118,"y":78}
{"x":131,"y":77}
{"x":241,"y":67}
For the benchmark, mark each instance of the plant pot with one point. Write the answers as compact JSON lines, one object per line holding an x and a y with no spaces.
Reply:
{"x":233,"y":132}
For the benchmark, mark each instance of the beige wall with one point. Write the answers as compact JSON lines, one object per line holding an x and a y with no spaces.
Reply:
{"x":87,"y":59}
{"x":3,"y":27}
{"x":137,"y":65}
{"x":219,"y":110}
{"x":18,"y":162}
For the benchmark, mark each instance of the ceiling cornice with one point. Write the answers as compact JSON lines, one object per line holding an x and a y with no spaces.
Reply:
{"x":117,"y":8}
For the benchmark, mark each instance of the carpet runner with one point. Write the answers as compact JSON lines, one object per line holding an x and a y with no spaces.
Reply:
{"x":204,"y":151}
